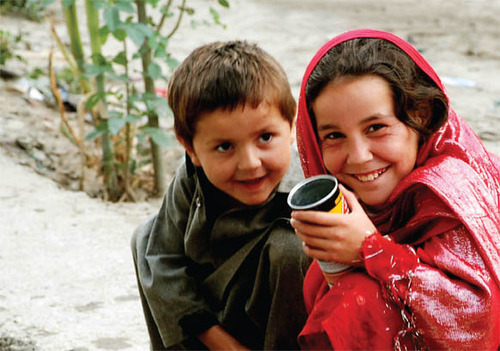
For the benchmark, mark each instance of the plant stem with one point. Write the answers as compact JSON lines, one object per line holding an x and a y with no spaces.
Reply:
{"x":74,"y":35}
{"x":153,"y":120}
{"x":70,"y":59}
{"x":108,"y":158}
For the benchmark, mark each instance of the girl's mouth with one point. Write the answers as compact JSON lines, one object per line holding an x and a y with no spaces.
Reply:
{"x":371,"y":176}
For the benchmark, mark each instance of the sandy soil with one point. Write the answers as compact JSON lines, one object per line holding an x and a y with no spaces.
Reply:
{"x":66,"y":275}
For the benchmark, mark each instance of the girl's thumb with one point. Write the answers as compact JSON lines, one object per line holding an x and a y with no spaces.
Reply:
{"x":352,"y":202}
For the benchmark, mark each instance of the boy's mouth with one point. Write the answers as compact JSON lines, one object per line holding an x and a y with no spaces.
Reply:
{"x":252,"y":184}
{"x":370,"y":176}
{"x":251,"y":181}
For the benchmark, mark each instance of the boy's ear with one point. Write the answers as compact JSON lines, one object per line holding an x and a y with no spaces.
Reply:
{"x":190,"y":151}
{"x":293,"y":133}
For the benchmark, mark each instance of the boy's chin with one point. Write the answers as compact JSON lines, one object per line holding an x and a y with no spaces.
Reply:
{"x":253,"y":200}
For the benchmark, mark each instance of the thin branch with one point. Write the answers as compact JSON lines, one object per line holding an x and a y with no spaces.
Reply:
{"x":163,"y":17}
{"x":179,"y":19}
{"x":58,"y":98}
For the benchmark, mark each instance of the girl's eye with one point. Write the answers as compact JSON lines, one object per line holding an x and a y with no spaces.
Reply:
{"x":224,"y":147}
{"x":334,"y":135}
{"x":266,"y":138}
{"x":375,"y":127}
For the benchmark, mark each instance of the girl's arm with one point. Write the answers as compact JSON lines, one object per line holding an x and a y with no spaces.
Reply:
{"x":443,"y":289}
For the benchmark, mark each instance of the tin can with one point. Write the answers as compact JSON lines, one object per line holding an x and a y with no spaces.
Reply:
{"x":321,"y":193}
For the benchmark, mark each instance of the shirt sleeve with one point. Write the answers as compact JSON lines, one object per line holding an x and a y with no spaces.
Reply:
{"x":171,"y":290}
{"x":448,"y":299}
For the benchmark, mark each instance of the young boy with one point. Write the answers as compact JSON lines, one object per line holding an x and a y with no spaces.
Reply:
{"x":219,"y":266}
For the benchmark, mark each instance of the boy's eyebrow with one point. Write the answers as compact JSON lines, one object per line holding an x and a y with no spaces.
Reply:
{"x":217,"y":141}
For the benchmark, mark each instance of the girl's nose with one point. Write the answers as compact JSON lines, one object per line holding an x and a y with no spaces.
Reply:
{"x":358,"y":151}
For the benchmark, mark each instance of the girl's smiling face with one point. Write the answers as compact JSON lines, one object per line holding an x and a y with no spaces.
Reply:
{"x":362,"y":141}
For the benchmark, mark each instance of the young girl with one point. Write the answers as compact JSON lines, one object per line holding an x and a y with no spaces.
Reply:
{"x":423,"y":231}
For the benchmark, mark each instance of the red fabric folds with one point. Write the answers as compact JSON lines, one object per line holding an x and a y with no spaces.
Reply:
{"x":443,"y":221}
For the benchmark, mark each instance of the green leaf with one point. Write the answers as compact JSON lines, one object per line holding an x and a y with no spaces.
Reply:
{"x":154,"y":102}
{"x":115,"y":114}
{"x":189,"y":10}
{"x":224,"y":3}
{"x":120,"y":34}
{"x":160,"y":52}
{"x":138,"y":32}
{"x":125,"y":6}
{"x":46,"y":3}
{"x":100,"y":130}
{"x":154,"y":70}
{"x":112,"y":17}
{"x":172,"y":63}
{"x":121,"y":59}
{"x":153,"y":42}
{"x":93,"y":100}
{"x":94,"y":70}
{"x":118,"y":77}
{"x":165,"y":11}
{"x":98,"y":59}
{"x":103,"y":34}
{"x":159,"y":136}
{"x":100,"y":4}
{"x":115,"y":124}
{"x":68,"y":3}
{"x":132,"y":119}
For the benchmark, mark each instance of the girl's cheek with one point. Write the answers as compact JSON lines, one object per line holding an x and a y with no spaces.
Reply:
{"x":332,"y":163}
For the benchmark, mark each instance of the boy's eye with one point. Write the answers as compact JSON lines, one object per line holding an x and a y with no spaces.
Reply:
{"x":265,"y":138}
{"x":224,"y":147}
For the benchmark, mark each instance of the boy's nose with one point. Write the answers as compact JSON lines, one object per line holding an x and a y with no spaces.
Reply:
{"x":248,"y":158}
{"x":358,"y":151}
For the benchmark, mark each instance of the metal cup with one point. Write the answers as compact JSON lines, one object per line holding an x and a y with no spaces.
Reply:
{"x":320,"y":193}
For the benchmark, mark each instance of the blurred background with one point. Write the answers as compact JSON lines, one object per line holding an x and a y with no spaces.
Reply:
{"x":86,"y":142}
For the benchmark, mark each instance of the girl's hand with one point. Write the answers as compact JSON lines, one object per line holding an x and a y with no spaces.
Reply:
{"x":333,"y":236}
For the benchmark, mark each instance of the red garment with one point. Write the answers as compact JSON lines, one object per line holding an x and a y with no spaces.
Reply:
{"x":435,"y":284}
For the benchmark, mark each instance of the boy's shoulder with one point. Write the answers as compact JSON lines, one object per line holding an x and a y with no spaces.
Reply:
{"x":294,"y":173}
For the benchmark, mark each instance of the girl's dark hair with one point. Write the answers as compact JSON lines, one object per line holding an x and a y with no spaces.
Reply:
{"x":412,"y":88}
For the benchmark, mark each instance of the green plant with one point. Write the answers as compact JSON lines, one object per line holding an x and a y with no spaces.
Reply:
{"x":8,"y":43}
{"x":137,"y":110}
{"x":31,"y":9}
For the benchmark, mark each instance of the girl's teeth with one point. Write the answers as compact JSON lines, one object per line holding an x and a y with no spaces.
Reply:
{"x":369,"y":177}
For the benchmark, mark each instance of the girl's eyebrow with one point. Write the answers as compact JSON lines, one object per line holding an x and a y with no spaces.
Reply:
{"x":376,"y":117}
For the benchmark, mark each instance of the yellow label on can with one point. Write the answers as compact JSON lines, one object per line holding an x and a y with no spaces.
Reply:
{"x":339,"y":205}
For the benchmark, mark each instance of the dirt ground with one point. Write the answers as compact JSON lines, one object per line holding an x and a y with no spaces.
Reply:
{"x":66,"y":274}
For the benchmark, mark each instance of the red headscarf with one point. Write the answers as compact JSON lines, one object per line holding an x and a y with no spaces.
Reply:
{"x":453,"y":165}
{"x":452,"y":159}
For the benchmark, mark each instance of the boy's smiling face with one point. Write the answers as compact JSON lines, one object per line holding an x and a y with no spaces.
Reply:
{"x":244,"y":152}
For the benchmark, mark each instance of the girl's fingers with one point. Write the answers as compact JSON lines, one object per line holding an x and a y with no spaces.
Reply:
{"x":352,"y":201}
{"x":314,"y":228}
{"x":318,"y":242}
{"x":319,"y":218}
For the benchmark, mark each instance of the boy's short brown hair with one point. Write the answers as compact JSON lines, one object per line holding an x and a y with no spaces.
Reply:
{"x":226,"y":75}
